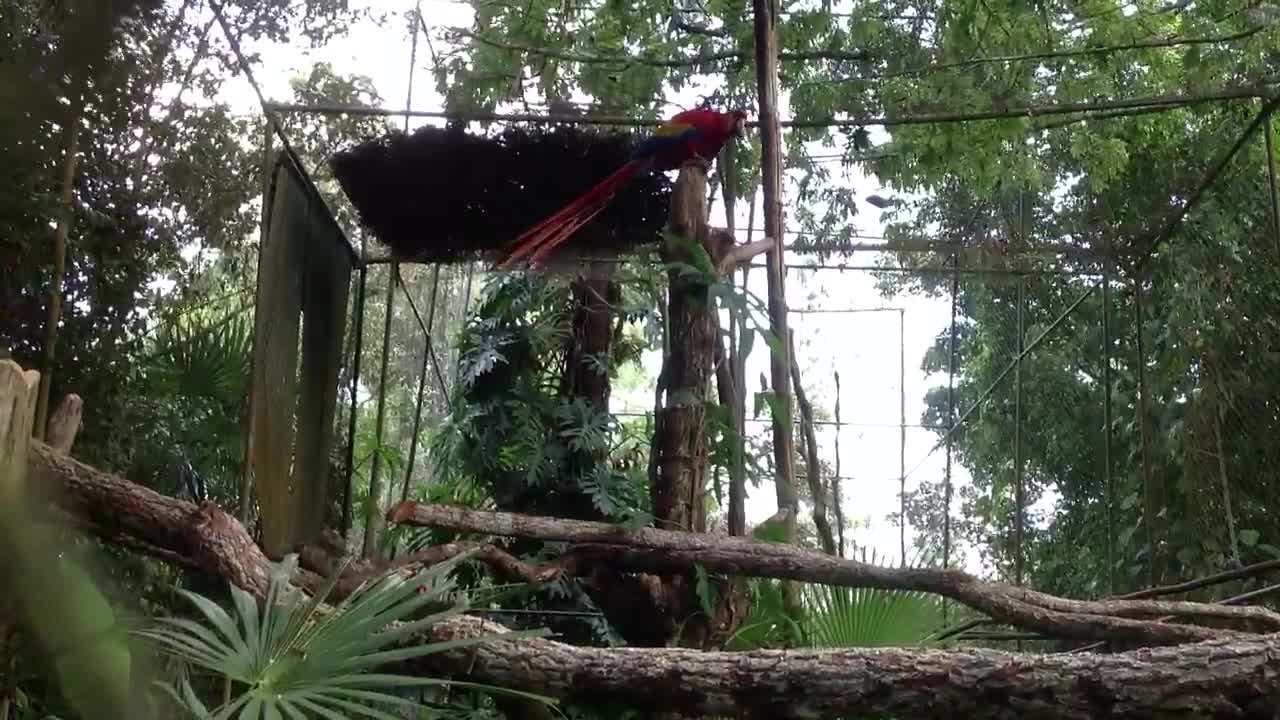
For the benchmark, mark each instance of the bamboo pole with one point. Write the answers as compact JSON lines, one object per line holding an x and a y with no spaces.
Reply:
{"x":766,"y":53}
{"x":373,"y":512}
{"x":71,"y":144}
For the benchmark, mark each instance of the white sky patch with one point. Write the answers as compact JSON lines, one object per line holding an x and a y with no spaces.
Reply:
{"x":863,"y":347}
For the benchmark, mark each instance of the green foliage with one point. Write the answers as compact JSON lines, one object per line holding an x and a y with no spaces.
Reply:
{"x":837,"y":617}
{"x":513,"y":429}
{"x":88,"y":654}
{"x":868,"y":617}
{"x":196,"y":390}
{"x":295,"y":657}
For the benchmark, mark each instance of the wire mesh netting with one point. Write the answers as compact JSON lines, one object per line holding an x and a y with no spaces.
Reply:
{"x":1081,"y":451}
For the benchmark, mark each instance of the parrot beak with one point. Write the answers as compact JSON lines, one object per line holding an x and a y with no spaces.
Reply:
{"x":739,"y":124}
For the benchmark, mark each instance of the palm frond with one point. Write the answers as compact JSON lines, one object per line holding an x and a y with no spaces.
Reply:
{"x":295,"y":658}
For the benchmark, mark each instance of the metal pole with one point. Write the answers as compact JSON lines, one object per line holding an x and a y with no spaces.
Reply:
{"x":246,"y":474}
{"x":1151,"y":511}
{"x":422,"y":384}
{"x":462,"y":320}
{"x":355,"y":388}
{"x":426,"y":347}
{"x":1271,"y":180}
{"x":951,"y":414}
{"x":835,"y":482}
{"x":902,"y":433}
{"x":1019,"y":490}
{"x":373,"y":516}
{"x":1106,"y":427}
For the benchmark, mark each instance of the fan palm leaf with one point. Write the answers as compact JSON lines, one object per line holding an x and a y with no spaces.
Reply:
{"x":297,"y":658}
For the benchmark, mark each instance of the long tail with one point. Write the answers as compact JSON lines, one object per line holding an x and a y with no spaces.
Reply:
{"x":541,"y":239}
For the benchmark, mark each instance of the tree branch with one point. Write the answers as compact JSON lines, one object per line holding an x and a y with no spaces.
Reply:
{"x":653,"y":550}
{"x":739,"y":255}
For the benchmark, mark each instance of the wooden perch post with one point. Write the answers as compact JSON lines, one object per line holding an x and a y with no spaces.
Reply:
{"x":771,"y":182}
{"x":681,"y":425}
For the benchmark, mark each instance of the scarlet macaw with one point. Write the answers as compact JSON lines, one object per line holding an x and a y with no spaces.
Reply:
{"x":692,"y":134}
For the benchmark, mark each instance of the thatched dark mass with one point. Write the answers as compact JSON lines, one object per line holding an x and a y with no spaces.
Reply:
{"x":446,"y":195}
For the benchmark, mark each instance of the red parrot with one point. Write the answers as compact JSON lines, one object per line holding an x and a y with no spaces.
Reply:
{"x":692,"y":134}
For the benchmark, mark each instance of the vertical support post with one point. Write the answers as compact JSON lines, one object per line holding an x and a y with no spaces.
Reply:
{"x":1019,"y":491}
{"x":462,"y":319}
{"x":66,"y":215}
{"x":1267,"y":131}
{"x":951,"y":410}
{"x":246,"y":465}
{"x":355,"y":389}
{"x":373,"y":513}
{"x":766,"y":55}
{"x":1150,"y":510}
{"x":435,"y":272}
{"x":1106,"y":422}
{"x":738,"y":478}
{"x":836,"y":491}
{"x":902,"y":433}
{"x":422,"y":382}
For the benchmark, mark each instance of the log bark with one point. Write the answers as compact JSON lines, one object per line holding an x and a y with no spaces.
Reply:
{"x":1234,"y":678}
{"x":1224,"y":679}
{"x":653,"y":550}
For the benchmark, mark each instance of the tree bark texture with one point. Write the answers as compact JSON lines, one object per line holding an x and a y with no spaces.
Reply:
{"x":1237,"y":677}
{"x":1219,"y":679}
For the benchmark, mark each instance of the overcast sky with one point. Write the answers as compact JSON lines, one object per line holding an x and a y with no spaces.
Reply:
{"x":863,"y":346}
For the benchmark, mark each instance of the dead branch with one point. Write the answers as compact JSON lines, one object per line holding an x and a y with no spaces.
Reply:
{"x":1249,"y":571}
{"x":653,"y":550}
{"x":740,"y":255}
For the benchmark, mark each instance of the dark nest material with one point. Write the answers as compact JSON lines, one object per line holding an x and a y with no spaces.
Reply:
{"x":444,"y":195}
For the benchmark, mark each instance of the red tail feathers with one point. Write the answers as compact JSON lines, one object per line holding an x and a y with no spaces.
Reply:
{"x":538,"y":241}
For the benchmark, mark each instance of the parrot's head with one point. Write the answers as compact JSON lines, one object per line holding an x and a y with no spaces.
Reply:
{"x":738,"y":120}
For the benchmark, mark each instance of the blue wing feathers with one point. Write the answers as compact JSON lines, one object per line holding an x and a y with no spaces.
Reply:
{"x":667,"y":135}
